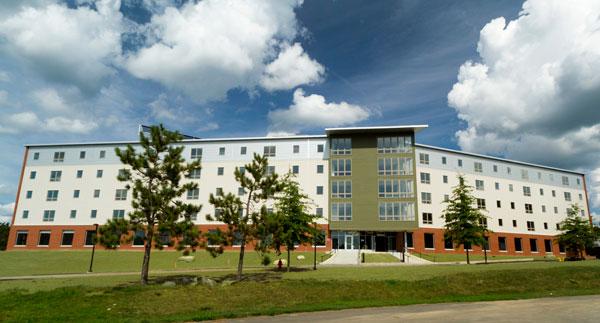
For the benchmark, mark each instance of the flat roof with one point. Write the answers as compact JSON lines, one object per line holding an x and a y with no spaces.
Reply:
{"x":414,"y":128}
{"x":497,"y":158}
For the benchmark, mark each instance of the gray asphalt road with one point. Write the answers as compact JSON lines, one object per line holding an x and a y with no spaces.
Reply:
{"x":557,"y":309}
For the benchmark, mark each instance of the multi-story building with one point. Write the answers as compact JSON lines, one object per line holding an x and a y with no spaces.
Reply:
{"x":373,"y":188}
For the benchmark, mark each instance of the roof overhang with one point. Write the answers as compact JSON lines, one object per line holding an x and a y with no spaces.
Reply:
{"x":380,"y":129}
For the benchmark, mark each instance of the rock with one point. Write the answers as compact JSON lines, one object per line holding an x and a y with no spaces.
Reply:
{"x":186,"y":258}
{"x":227,"y":282}
{"x":208,"y":282}
{"x":301,"y":257}
{"x":169,"y":284}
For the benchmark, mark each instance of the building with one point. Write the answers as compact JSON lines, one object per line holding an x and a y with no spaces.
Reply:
{"x":373,"y":187}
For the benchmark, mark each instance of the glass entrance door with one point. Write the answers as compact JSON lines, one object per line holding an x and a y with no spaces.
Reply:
{"x":349,"y":239}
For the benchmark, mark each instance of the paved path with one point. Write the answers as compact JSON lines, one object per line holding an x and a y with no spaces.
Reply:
{"x":343,"y":257}
{"x":557,"y":309}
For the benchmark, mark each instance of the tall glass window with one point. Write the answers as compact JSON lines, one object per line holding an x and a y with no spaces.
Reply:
{"x":399,"y":144}
{"x":341,"y":211}
{"x":395,"y":166}
{"x":341,"y":146}
{"x":341,"y":167}
{"x":341,"y":189}
{"x":396,"y":188}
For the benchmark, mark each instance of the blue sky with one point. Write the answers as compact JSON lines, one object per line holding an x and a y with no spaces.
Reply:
{"x":86,"y":70}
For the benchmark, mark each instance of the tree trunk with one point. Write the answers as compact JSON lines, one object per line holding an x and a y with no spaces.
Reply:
{"x":288,"y":261}
{"x":467,"y":250}
{"x":241,"y":259}
{"x":146,"y":262}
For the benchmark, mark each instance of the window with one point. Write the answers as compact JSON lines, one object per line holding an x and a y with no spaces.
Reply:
{"x":296,"y":149}
{"x":448,"y":244}
{"x":518,"y":246}
{"x":481,"y":204}
{"x":28,"y":194}
{"x":48,"y":216}
{"x":118,"y":214}
{"x":444,"y":161}
{"x":82,"y":155}
{"x":73,"y":214}
{"x":428,"y":237}
{"x":139,"y":238}
{"x":295,"y":169}
{"x":565,"y":180}
{"x":395,"y":166}
{"x":79,"y":173}
{"x":320,"y":169}
{"x":195,"y":173}
{"x":99,"y":173}
{"x":424,"y":159}
{"x":341,"y":211}
{"x":530,"y":226}
{"x":196,"y":153}
{"x":341,"y":167}
{"x":21,"y":238}
{"x":52,"y":195}
{"x":528,"y":208}
{"x":221,"y":151}
{"x":497,"y":186}
{"x":541,"y":192}
{"x":543,"y":209}
{"x":59,"y":156}
{"x":396,"y":188}
{"x":409,"y":240}
{"x":36,"y":156}
{"x":220,"y":171}
{"x":270,"y":170}
{"x":502,"y":243}
{"x":32,"y":174}
{"x":510,"y":187}
{"x":567,"y":196}
{"x":25,"y":214}
{"x":55,"y":175}
{"x":555,"y":210}
{"x":533,"y":245}
{"x":193,"y":194}
{"x":93,"y":214}
{"x":578,"y":181}
{"x":479,"y":185}
{"x":558,"y":226}
{"x":269,"y":151}
{"x":446,"y":198}
{"x":241,"y":191}
{"x":425,"y":178}
{"x":427,"y":218}
{"x":319,"y":211}
{"x":547,"y":245}
{"x":341,"y":146}
{"x":320,"y":148}
{"x":498,"y":204}
{"x":553,"y":193}
{"x":67,"y":238}
{"x":96,"y":193}
{"x":500,"y":223}
{"x":508,"y":170}
{"x":102,"y":154}
{"x":514,"y":223}
{"x":478,"y":167}
{"x":319,"y":190}
{"x":460,"y":163}
{"x":545,"y":225}
{"x":44,"y":238}
{"x":243,"y":150}
{"x":76,"y":194}
{"x":526,"y":191}
{"x":341,"y":189}
{"x":495,"y":168}
{"x":121,"y":194}
{"x":219,"y":191}
{"x":393,"y":145}
{"x":580,"y":196}
{"x":445,"y":179}
{"x":90,"y":236}
{"x":425,"y":198}
{"x":396,"y":211}
{"x":524,"y":174}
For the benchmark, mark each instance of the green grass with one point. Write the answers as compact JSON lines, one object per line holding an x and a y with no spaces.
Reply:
{"x":18,"y":263}
{"x":271,"y":292}
{"x":379,"y":258}
{"x":449,"y":257}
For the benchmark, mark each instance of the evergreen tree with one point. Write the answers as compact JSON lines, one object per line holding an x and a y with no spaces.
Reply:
{"x":245,"y":219}
{"x":4,"y":230}
{"x":577,"y":232}
{"x":464,"y":221}
{"x":291,"y":224}
{"x":155,"y":171}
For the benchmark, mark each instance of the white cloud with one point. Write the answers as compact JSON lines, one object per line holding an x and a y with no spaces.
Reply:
{"x":19,"y":122}
{"x":63,"y":124}
{"x":534,"y":95}
{"x":291,"y":68}
{"x":3,"y":97}
{"x":4,"y":77}
{"x":160,"y":110}
{"x":29,"y":122}
{"x":65,"y":45}
{"x":313,"y":111}
{"x":209,"y":126}
{"x":6,"y":212}
{"x":50,"y":100}
{"x":207,"y":48}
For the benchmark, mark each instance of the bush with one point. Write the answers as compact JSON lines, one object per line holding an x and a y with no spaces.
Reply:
{"x":4,"y":229}
{"x":266,"y":260}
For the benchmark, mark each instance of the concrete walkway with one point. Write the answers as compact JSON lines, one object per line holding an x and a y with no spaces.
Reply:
{"x":343,"y":257}
{"x":547,"y":310}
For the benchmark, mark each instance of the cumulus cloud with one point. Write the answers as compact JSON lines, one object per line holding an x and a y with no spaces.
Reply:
{"x":29,"y":122}
{"x":310,"y":111}
{"x":63,"y":124}
{"x":534,"y":93}
{"x":206,"y":48}
{"x":50,"y":100}
{"x":18,"y":122}
{"x":66,"y":45}
{"x":6,"y":212}
{"x":4,"y":77}
{"x":292,"y":67}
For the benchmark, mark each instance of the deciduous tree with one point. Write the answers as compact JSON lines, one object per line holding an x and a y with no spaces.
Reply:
{"x":577,"y":232}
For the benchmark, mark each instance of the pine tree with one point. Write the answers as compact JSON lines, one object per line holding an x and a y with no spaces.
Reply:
{"x":577,"y":232}
{"x":155,"y":171}
{"x":245,"y":219}
{"x":464,"y":222}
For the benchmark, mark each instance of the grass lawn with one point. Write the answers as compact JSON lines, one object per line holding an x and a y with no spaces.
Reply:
{"x":448,"y":257}
{"x":379,"y":258}
{"x":269,"y":292}
{"x":18,"y":263}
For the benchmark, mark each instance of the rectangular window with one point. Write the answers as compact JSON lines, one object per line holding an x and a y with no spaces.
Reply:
{"x":59,"y":156}
{"x":270,"y":170}
{"x":460,"y":163}
{"x":90,"y":237}
{"x":93,"y":214}
{"x":21,"y":238}
{"x":508,"y":170}
{"x":67,"y":238}
{"x":295,"y":169}
{"x":545,"y":225}
{"x":36,"y":156}
{"x":495,"y":168}
{"x":193,"y":194}
{"x":121,"y":194}
{"x":320,"y":148}
{"x":500,"y":222}
{"x":341,"y":146}
{"x":555,"y":210}
{"x":528,"y":208}
{"x":118,"y":214}
{"x":241,"y":191}
{"x":446,"y":198}
{"x":424,"y":159}
{"x":444,"y":161}
{"x":541,"y":192}
{"x":341,"y":167}
{"x":48,"y":216}
{"x":138,"y":238}
{"x":393,"y":145}
{"x":52,"y":195}
{"x":28,"y":194}
{"x":425,"y":178}
{"x":55,"y":175}
{"x":96,"y":193}
{"x":395,"y":166}
{"x":319,"y":190}
{"x":547,"y":245}
{"x":567,"y":196}
{"x":498,"y":204}
{"x":396,"y":211}
{"x":341,"y":211}
{"x":502,"y":243}
{"x":427,"y":218}
{"x":319,"y":211}
{"x":221,"y":151}
{"x":341,"y":189}
{"x":543,"y":209}
{"x":514,"y":223}
{"x":269,"y":151}
{"x":526,"y":191}
{"x":479,"y":185}
{"x":530,"y":226}
{"x":533,"y":245}
{"x":510,"y":187}
{"x":524,"y":174}
{"x":243,"y":150}
{"x":578,"y":181}
{"x":195,"y":173}
{"x":445,"y":179}
{"x":553,"y":193}
{"x":580,"y":197}
{"x":99,"y":173}
{"x":396,"y":188}
{"x":82,"y":155}
{"x":32,"y":174}
{"x":425,"y":198}
{"x":196,"y":153}
{"x":102,"y":154}
{"x":481,"y":204}
{"x":296,"y":149}
{"x":565,"y":180}
{"x":76,"y":194}
{"x":448,"y":244}
{"x":518,"y":246}
{"x":428,"y":237}
{"x":220,"y":171}
{"x":409,"y":240}
{"x":478,"y":167}
{"x":25,"y":214}
{"x":320,"y":169}
{"x":73,"y":214}
{"x":44,"y":238}
{"x":80,"y":173}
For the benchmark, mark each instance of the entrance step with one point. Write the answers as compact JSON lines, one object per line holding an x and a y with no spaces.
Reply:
{"x":343,"y":257}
